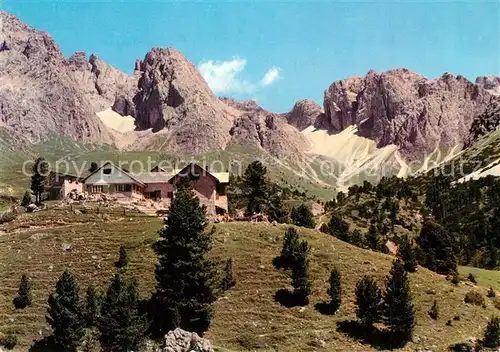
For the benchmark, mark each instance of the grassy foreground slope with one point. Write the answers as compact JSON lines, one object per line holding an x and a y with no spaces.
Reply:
{"x":246,"y":317}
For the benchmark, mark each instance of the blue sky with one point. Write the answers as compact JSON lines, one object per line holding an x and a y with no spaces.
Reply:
{"x":279,"y":52}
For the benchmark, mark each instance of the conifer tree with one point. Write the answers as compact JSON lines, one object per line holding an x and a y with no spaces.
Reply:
{"x":303,"y":216}
{"x":300,"y":275}
{"x":407,"y":254}
{"x":255,"y":182}
{"x":335,"y":291}
{"x":121,"y":324}
{"x":492,"y":333}
{"x":23,"y":298}
{"x":185,"y":276}
{"x":368,"y":301}
{"x":399,"y":314}
{"x":93,"y":167}
{"x":434,"y":312}
{"x":123,"y":259}
{"x":338,"y":227}
{"x":26,"y":198}
{"x":290,"y":244}
{"x":39,"y":178}
{"x":436,"y":245}
{"x":92,"y":306}
{"x":228,"y":280}
{"x":66,"y":314}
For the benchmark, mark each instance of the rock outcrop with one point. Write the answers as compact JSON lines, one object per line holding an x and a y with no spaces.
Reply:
{"x":306,"y":113}
{"x":39,"y":96}
{"x":404,"y":108}
{"x":99,"y":81}
{"x":172,"y":95}
{"x":258,"y":127}
{"x":179,"y":340}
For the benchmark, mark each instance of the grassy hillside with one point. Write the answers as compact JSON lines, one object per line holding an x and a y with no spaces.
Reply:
{"x":246,"y":317}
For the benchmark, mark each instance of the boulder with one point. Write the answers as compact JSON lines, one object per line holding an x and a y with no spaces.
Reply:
{"x":179,"y":340}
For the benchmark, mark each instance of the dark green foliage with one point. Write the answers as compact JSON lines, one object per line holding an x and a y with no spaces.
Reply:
{"x":407,"y":254}
{"x":228,"y":280}
{"x":455,"y":278}
{"x":121,"y":324}
{"x":93,"y":167}
{"x":294,"y":257}
{"x":277,"y":210}
{"x":66,"y":314}
{"x":373,"y":239}
{"x":92,"y":306}
{"x":338,"y":227}
{"x":39,"y":178}
{"x":368,"y":301}
{"x":341,"y":197}
{"x":26,"y":198}
{"x":256,"y":186}
{"x":492,"y":333}
{"x":300,"y":275}
{"x":436,"y":245}
{"x":303,"y":216}
{"x":434,"y":312}
{"x":356,"y":238}
{"x":399,"y":313}
{"x":491,"y":293}
{"x":185,"y":277}
{"x":472,"y":278}
{"x":287,"y":256}
{"x":23,"y":298}
{"x":335,"y":291}
{"x":123,"y":259}
{"x":9,"y":341}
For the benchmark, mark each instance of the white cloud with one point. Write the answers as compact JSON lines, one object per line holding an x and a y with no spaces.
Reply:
{"x":223,"y":77}
{"x":272,"y":75}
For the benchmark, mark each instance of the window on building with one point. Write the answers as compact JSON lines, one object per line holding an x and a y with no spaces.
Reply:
{"x":107,"y":171}
{"x":123,"y":188}
{"x":97,"y":189}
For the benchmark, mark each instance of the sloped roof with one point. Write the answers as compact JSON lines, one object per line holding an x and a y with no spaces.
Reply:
{"x":116,"y":167}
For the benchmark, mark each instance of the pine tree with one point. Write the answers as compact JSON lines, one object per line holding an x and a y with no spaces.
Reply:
{"x":66,"y":314}
{"x":303,"y":216}
{"x":39,"y":178}
{"x":338,"y":227}
{"x":436,"y":245}
{"x":123,"y":259}
{"x":492,"y":333}
{"x":121,"y":324}
{"x":434,"y":312}
{"x":185,"y":276}
{"x":23,"y":298}
{"x":228,"y":280}
{"x":93,"y":167}
{"x":399,"y":314}
{"x":290,"y":244}
{"x":372,"y":239}
{"x":407,"y":254}
{"x":368,"y":301}
{"x":255,"y":182}
{"x":335,"y":291}
{"x":92,"y":306}
{"x":277,"y":210}
{"x":26,"y":198}
{"x":300,"y":275}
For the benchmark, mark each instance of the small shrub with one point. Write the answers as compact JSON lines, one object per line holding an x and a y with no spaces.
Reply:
{"x":472,"y":278}
{"x":491,"y":293}
{"x":456,"y":318}
{"x":474,"y":297}
{"x":448,"y":323}
{"x":9,"y":341}
{"x":228,"y":280}
{"x":434,"y":312}
{"x":123,"y":260}
{"x":492,"y":333}
{"x":461,"y":347}
{"x":455,"y":278}
{"x":26,"y":198}
{"x":23,"y":298}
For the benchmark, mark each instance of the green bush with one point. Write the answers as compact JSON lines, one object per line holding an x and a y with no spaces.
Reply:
{"x":472,"y":278}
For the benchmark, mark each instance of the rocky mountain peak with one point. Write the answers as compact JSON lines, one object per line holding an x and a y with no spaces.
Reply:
{"x":404,"y":108}
{"x":38,"y":92}
{"x":306,"y":113}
